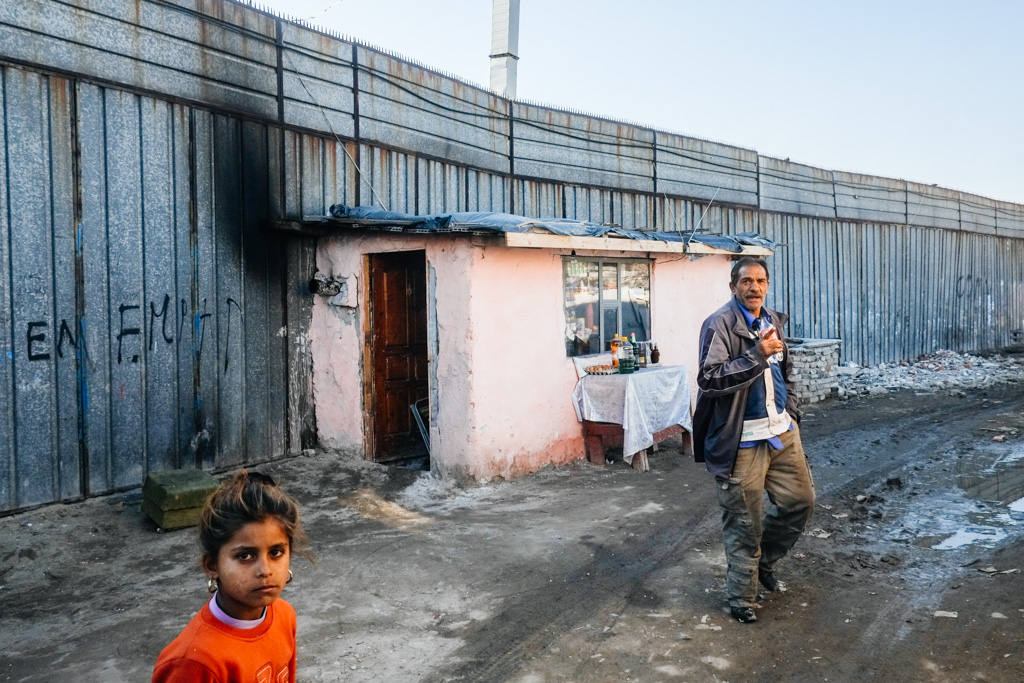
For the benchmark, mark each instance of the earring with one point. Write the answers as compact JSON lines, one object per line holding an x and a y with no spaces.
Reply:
{"x":290,"y":576}
{"x":211,"y":584}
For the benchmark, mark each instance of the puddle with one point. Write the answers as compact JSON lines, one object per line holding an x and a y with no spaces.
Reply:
{"x":966,"y":537}
{"x":984,"y":509}
{"x":1001,"y":483}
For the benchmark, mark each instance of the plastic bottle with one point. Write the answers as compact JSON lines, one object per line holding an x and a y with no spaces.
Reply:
{"x":615,"y":351}
{"x":626,"y":364}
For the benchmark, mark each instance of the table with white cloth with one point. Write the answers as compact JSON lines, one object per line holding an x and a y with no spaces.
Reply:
{"x":640,"y":408}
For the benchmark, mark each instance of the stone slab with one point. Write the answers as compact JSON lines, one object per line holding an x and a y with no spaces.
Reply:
{"x":178,"y":489}
{"x":172,"y":519}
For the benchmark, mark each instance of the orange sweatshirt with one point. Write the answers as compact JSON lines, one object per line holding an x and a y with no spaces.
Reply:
{"x":209,"y":651}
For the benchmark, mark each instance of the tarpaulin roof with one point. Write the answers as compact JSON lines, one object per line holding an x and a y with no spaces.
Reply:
{"x":492,"y":222}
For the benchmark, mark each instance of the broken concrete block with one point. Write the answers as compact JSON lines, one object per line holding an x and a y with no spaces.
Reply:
{"x":175,"y":498}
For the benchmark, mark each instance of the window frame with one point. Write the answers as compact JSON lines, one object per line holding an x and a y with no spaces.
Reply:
{"x":605,"y":305}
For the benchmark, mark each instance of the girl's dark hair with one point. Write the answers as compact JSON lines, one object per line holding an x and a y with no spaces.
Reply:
{"x":248,"y":497}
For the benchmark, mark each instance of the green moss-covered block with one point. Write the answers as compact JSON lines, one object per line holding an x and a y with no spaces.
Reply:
{"x":172,"y":519}
{"x":175,"y":498}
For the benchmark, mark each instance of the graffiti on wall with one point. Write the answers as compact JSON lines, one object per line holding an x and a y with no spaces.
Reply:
{"x":135,"y":328}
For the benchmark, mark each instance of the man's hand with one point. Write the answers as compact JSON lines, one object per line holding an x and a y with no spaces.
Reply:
{"x":770,"y":345}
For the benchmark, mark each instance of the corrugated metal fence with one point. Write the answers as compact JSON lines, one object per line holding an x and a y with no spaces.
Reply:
{"x":147,"y":321}
{"x":146,"y":317}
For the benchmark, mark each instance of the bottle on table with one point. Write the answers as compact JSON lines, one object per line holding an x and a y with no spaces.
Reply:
{"x":655,"y":353}
{"x":626,"y":364}
{"x":615,"y":351}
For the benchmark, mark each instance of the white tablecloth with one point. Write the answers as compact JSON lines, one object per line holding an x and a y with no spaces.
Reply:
{"x":643,"y":402}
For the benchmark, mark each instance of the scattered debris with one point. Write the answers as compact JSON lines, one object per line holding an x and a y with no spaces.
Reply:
{"x":999,"y":437}
{"x":943,"y":370}
{"x":999,"y":615}
{"x":949,"y":615}
{"x":705,"y":626}
{"x":820,"y":533}
{"x":992,"y":571}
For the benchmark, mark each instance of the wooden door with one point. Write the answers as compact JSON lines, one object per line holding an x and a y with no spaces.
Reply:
{"x":398,"y":347}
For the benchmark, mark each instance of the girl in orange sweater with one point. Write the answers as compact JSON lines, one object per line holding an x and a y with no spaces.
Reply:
{"x":244,"y":634}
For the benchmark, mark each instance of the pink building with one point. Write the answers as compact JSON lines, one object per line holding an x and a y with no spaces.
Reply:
{"x":477,"y":319}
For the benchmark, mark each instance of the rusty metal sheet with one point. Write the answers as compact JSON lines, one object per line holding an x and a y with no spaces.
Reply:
{"x":440,"y":187}
{"x":226,"y":292}
{"x":66,"y":357}
{"x":1009,"y":219}
{"x":410,"y":108}
{"x":870,"y":198}
{"x":8,"y":454}
{"x":160,"y":302}
{"x":126,"y":292}
{"x":94,"y":288}
{"x":204,"y":316}
{"x":583,"y":150}
{"x":181,"y":287}
{"x":227,"y":60}
{"x":795,"y":188}
{"x":701,"y":169}
{"x":388,"y":180}
{"x":133,"y":339}
{"x":933,"y":207}
{"x":150,"y":326}
{"x":318,"y":81}
{"x":258,"y":329}
{"x":32,"y":461}
{"x":487,"y":192}
{"x":537,"y":199}
{"x":977,"y":214}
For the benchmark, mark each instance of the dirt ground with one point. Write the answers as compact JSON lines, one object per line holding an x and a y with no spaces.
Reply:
{"x":581,"y":573}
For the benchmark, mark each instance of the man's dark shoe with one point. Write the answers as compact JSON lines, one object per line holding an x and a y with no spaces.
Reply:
{"x":770,"y":581}
{"x":744,"y":615}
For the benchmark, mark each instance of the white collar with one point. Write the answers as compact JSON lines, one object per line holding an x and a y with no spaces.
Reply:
{"x":225,"y":618}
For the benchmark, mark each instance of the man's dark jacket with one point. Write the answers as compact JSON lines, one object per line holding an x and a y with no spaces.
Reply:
{"x":729,"y":363}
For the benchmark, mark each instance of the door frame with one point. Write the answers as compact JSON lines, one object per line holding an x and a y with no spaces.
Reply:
{"x":366,"y":367}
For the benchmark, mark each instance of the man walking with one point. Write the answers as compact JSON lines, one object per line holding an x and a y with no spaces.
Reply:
{"x":745,"y":429}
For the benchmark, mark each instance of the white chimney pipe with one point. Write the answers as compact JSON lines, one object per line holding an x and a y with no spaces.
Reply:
{"x":504,"y":46}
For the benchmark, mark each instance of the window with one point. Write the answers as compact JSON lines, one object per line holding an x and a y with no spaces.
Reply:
{"x":605,"y":297}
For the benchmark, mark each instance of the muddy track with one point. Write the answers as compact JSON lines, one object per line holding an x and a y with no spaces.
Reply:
{"x":533,"y":621}
{"x":891,"y":608}
{"x":864,"y":615}
{"x":580,"y":573}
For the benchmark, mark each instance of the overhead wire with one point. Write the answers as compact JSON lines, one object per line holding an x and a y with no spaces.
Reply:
{"x":330,"y":125}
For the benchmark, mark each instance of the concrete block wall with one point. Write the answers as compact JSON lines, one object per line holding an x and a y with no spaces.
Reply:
{"x":814,"y":368}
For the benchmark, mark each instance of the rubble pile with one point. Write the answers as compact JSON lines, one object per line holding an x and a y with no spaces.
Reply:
{"x":940,"y":371}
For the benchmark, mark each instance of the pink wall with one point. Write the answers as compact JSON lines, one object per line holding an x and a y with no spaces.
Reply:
{"x":500,"y":384}
{"x":684,"y":293}
{"x":522,"y":382}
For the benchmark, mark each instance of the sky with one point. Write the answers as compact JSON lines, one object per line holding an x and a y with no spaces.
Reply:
{"x":928,"y":91}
